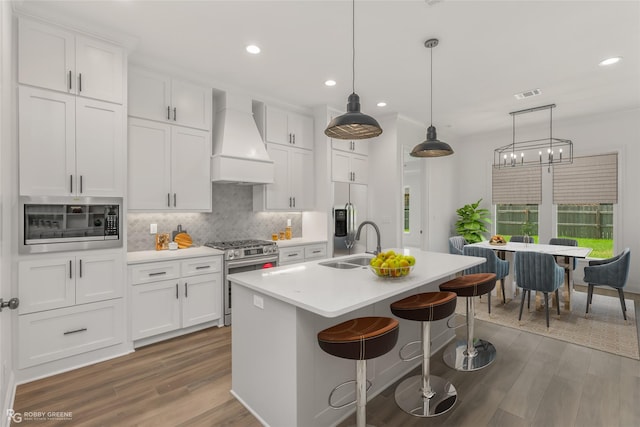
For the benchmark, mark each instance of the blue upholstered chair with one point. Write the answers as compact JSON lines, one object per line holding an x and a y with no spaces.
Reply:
{"x":521,"y":239}
{"x":493,"y":265}
{"x":456,"y":243}
{"x":536,"y":271}
{"x":564,"y":242}
{"x":609,"y":272}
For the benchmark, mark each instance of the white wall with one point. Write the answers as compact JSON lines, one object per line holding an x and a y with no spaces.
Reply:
{"x":590,"y":135}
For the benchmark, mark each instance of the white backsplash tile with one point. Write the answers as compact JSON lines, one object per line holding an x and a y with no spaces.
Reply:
{"x":232,"y":218}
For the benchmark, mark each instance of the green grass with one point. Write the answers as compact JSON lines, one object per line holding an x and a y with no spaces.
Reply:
{"x":602,"y":248}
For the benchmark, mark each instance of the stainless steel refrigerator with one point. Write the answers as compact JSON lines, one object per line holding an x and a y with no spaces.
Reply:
{"x":349,"y":210}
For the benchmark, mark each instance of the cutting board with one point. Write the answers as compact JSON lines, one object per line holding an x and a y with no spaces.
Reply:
{"x":183,"y":240}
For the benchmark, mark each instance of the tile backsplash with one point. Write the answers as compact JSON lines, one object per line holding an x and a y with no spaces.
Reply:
{"x":232,"y":218}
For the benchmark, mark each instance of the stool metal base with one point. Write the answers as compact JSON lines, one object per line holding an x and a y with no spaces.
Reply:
{"x":457,"y":357}
{"x":410,"y":399}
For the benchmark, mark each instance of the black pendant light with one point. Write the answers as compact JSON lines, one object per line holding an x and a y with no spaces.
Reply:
{"x":432,"y":147}
{"x":353,"y":124}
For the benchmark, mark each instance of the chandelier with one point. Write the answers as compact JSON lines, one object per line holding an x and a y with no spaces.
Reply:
{"x":535,"y":152}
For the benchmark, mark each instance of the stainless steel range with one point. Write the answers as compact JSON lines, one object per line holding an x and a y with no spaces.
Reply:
{"x":243,"y":255}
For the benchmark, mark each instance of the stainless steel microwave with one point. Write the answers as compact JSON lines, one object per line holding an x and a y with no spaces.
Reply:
{"x":53,"y":224}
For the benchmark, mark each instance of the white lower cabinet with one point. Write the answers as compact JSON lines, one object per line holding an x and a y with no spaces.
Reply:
{"x":170,"y":295}
{"x":55,"y":334}
{"x":302,"y":253}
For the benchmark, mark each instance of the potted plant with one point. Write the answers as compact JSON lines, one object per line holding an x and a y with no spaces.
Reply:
{"x":471,"y":224}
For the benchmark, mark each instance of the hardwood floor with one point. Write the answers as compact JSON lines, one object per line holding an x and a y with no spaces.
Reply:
{"x":535,"y":381}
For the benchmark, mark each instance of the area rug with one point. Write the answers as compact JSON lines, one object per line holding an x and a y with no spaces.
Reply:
{"x":604,"y":328}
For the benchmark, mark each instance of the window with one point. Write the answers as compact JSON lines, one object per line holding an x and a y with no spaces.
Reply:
{"x":590,"y":224}
{"x":517,"y":220}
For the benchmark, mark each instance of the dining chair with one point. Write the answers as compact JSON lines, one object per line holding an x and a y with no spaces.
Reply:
{"x":493,"y":265}
{"x":536,"y":271}
{"x":456,"y":243}
{"x":521,"y":239}
{"x":612,"y":272}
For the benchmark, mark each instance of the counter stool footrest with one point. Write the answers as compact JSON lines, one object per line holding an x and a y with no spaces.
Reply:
{"x":409,"y":359}
{"x":369,"y":383}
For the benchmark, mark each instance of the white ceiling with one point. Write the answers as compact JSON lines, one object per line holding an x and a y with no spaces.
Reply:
{"x":488,"y":51}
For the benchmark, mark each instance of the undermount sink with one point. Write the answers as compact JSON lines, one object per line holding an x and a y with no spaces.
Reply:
{"x":339,"y":264}
{"x":354,"y":262}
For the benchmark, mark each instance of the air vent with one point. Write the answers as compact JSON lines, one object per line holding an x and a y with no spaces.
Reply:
{"x":528,"y":93}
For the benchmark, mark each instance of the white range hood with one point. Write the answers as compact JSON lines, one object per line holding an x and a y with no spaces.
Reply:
{"x":239,"y":154}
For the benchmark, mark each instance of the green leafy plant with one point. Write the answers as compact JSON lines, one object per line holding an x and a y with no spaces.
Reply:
{"x":471,"y":224}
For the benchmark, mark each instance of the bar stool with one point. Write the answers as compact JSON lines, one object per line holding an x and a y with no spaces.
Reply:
{"x":359,"y":339}
{"x":425,"y":395}
{"x":473,"y":353}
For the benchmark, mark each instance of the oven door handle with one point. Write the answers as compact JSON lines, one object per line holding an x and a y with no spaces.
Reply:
{"x":234,"y":264}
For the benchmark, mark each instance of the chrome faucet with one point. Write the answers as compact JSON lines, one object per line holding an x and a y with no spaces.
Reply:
{"x":373,"y":224}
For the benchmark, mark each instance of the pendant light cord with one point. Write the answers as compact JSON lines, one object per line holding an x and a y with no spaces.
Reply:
{"x":353,"y":46}
{"x":431,"y":108}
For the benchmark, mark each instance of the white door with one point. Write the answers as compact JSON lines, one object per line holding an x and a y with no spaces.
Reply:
{"x":149,"y":164}
{"x":47,"y":142}
{"x":201,"y":299}
{"x":190,"y":169}
{"x":301,"y":129}
{"x":340,"y":166}
{"x":99,"y":69}
{"x":302,"y":179}
{"x":278,"y":193}
{"x":149,"y":95}
{"x":155,"y":308}
{"x":359,"y":169}
{"x":190,"y":104}
{"x":99,"y":277}
{"x":45,"y":284}
{"x":277,"y":129}
{"x":46,"y":56}
{"x":99,"y":148}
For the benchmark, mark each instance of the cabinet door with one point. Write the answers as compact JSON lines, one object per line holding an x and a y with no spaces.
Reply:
{"x":99,"y":277}
{"x":301,"y":130}
{"x":340,"y":166}
{"x":45,"y":284}
{"x":342,"y":145}
{"x":201,"y":299}
{"x":155,"y":308}
{"x":46,"y":55}
{"x":190,"y":169}
{"x":47,"y":142}
{"x":99,"y":148}
{"x":149,"y":95}
{"x":99,"y":70}
{"x":361,"y":147}
{"x":301,"y":179}
{"x":191,"y":104}
{"x":149,"y":177}
{"x":360,"y":169}
{"x":276,"y":126}
{"x":278,"y":193}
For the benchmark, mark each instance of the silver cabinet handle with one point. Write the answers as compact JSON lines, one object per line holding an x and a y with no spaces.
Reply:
{"x":168,"y":112}
{"x":70,"y":79}
{"x":177,"y":296}
{"x":70,"y":183}
{"x":70,"y":271}
{"x":174,"y":200}
{"x":289,"y":138}
{"x":186,"y":290}
{"x":354,"y":175}
{"x":316,"y":252}
{"x":294,"y":139}
{"x":201,"y":267}
{"x":75,"y":331}
{"x":80,"y":184}
{"x":79,"y":82}
{"x":168,"y":200}
{"x":293,"y":254}
{"x":289,"y":201}
{"x":80,"y":264}
{"x":175,"y":114}
{"x":294,"y":202}
{"x":159,"y":273}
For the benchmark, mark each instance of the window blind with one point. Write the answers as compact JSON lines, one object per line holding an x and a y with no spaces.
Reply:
{"x":589,"y":179}
{"x":517,"y":186}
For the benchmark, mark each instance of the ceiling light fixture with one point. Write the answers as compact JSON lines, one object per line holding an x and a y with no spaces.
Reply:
{"x":432,"y":147}
{"x":536,"y":152}
{"x":253,"y":49}
{"x":610,"y":61}
{"x":381,"y":104}
{"x":330,"y":83}
{"x":353,"y":124}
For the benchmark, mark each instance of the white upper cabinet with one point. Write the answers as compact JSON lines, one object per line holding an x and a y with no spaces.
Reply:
{"x":347,"y":167}
{"x":68,"y":145}
{"x":286,"y":128}
{"x":169,"y":167}
{"x":53,"y":58}
{"x":159,"y":97}
{"x":356,"y":146}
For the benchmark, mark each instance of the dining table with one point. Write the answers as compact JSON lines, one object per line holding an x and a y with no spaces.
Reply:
{"x":568,"y":252}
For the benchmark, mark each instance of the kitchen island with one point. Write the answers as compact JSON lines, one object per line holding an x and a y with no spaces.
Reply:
{"x":278,"y":370}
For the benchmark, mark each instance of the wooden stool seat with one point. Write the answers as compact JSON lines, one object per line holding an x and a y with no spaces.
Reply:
{"x":360,"y":339}
{"x":471,"y":285}
{"x":425,"y":307}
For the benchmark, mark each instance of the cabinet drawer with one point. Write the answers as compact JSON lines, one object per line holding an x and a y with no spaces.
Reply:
{"x":205,"y":265}
{"x":315,"y":251}
{"x":52,"y":335}
{"x":154,"y":271}
{"x":288,"y":255}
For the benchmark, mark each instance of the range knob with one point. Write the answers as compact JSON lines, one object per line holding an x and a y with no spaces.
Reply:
{"x":267,"y":250}
{"x":229,"y":254}
{"x":236,"y":253}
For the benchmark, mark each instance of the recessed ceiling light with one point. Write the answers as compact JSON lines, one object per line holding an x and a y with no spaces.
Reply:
{"x":609,"y":61}
{"x":252,"y":48}
{"x":381,"y":104}
{"x":330,"y":83}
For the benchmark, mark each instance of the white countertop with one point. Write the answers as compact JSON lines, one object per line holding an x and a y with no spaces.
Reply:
{"x":167,"y":255}
{"x":332,"y":292}
{"x":298,"y":241}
